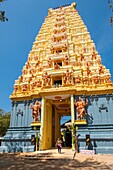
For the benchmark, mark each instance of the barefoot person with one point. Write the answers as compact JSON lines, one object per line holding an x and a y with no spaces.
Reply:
{"x":59,"y":145}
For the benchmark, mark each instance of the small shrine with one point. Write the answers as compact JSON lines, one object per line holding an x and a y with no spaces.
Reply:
{"x":63,"y":76}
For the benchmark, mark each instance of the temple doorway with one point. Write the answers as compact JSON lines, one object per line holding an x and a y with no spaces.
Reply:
{"x":55,"y":108}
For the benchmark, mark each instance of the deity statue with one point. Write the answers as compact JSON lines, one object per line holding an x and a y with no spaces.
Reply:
{"x":93,"y":56}
{"x":39,"y":83}
{"x":56,"y":66}
{"x":20,"y":79}
{"x":15,"y":88}
{"x":107,"y":79}
{"x":52,"y":50}
{"x":25,"y":87}
{"x":84,"y":50}
{"x":99,"y":61}
{"x":96,"y":79}
{"x":81,"y":57}
{"x":27,"y":65}
{"x":32,"y":71}
{"x":49,"y":62}
{"x":46,"y":79}
{"x":64,"y":48}
{"x":67,"y":77}
{"x":55,"y":31}
{"x":66,"y":60}
{"x":63,"y":29}
{"x":78,"y":79}
{"x":54,"y":39}
{"x":35,"y":110}
{"x":101,"y":70}
{"x":37,"y":64}
{"x":88,"y":71}
{"x":80,"y":106}
{"x":24,"y":71}
{"x":64,"y":37}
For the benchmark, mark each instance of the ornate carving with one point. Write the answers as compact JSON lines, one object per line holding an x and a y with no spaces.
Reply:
{"x":66,"y":60}
{"x":103,"y":107}
{"x":80,"y":106}
{"x":78,"y":80}
{"x":56,"y":67}
{"x":46,"y":79}
{"x":19,"y":112}
{"x":39,"y":83}
{"x":35,"y":110}
{"x":67,"y":77}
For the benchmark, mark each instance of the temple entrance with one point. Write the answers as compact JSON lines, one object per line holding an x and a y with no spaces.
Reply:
{"x":55,"y":108}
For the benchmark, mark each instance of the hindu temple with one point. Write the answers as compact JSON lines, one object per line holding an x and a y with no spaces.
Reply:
{"x":63,"y":76}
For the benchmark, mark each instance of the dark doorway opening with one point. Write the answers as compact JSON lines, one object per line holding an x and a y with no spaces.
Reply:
{"x":68,"y":138}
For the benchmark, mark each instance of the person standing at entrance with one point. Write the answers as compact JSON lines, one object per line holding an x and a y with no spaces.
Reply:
{"x":59,"y":145}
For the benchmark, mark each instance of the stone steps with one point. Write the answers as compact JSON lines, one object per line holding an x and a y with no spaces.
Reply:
{"x":48,"y":154}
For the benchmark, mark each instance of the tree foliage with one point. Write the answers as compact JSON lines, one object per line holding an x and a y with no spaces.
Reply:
{"x":4,"y":122}
{"x":110,"y":2}
{"x":2,"y":14}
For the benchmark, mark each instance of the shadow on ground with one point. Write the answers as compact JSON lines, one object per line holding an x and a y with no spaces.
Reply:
{"x":15,"y":162}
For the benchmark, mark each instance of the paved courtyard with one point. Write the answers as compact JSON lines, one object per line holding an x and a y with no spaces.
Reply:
{"x":62,"y":161}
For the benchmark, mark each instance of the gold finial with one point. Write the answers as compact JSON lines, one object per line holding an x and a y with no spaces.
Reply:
{"x":74,"y":4}
{"x":49,"y":11}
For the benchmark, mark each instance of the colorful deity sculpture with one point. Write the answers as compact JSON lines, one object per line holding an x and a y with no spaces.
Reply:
{"x":35,"y":110}
{"x":80,"y":107}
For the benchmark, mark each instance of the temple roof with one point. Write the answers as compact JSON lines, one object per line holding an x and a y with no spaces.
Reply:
{"x":63,"y":59}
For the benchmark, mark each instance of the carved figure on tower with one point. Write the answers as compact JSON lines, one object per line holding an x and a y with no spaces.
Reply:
{"x":80,"y":107}
{"x":64,"y":48}
{"x":66,"y":60}
{"x":39,"y":83}
{"x":35,"y":110}
{"x":101,"y":70}
{"x":67,"y":77}
{"x":56,"y":67}
{"x":49,"y":62}
{"x":81,"y":57}
{"x":52,"y":50}
{"x":20,"y":79}
{"x":15,"y":88}
{"x":78,"y":79}
{"x":46,"y":79}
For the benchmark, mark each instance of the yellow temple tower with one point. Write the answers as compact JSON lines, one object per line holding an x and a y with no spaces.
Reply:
{"x":62,"y":65}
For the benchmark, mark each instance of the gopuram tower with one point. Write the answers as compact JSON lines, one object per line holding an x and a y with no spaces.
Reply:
{"x":64,"y":74}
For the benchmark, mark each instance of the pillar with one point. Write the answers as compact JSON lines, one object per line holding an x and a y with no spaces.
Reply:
{"x":72,"y":120}
{"x":42,"y":129}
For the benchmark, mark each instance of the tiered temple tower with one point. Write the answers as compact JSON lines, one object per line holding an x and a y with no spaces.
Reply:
{"x":62,"y":66}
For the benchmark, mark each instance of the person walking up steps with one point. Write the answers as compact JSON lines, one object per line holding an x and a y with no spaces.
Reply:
{"x":59,"y":145}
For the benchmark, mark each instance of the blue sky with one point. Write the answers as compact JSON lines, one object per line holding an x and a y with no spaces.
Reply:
{"x":25,"y":20}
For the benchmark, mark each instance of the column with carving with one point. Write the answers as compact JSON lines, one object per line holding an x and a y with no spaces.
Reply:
{"x":72,"y":120}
